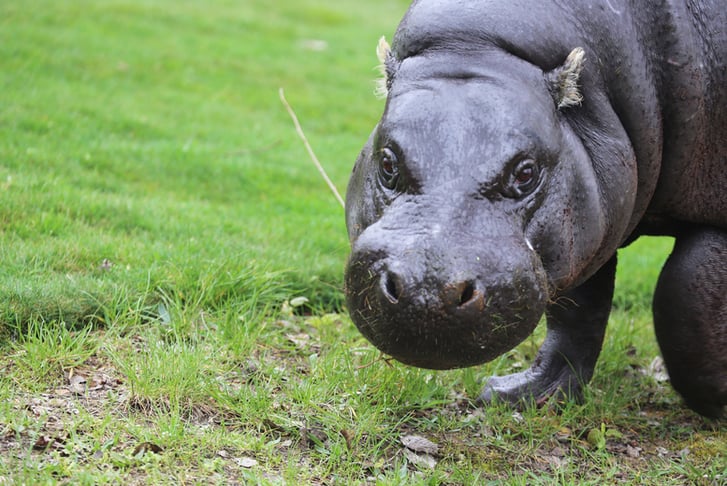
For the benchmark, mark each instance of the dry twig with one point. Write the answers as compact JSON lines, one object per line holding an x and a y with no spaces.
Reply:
{"x":312,"y":154}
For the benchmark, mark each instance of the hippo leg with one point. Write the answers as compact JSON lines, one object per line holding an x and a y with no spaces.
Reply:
{"x":565,"y":362}
{"x":690,"y":316}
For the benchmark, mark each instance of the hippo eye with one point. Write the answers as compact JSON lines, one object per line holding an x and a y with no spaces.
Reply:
{"x":388,"y":168}
{"x":525,"y":178}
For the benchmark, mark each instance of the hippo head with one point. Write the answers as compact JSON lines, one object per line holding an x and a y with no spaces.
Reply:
{"x":469,"y":207}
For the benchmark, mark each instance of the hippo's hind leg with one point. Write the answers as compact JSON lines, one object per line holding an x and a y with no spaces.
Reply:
{"x":565,"y":362}
{"x":690,"y":316}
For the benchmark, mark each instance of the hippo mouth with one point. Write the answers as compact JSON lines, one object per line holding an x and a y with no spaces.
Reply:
{"x":432,"y":320}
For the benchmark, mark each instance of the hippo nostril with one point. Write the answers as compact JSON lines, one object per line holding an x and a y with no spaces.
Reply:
{"x":391,"y":287}
{"x":468,"y":292}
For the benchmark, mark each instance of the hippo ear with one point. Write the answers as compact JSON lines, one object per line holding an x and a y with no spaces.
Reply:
{"x":386,"y":68}
{"x":564,"y":80}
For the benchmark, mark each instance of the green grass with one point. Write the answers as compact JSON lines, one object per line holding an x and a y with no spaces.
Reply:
{"x":150,"y":134}
{"x":157,"y":217}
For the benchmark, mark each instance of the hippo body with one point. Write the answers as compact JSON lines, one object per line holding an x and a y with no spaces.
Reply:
{"x":521,"y":145}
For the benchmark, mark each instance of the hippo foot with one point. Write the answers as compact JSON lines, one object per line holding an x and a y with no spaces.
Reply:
{"x":535,"y":385}
{"x":565,"y":361}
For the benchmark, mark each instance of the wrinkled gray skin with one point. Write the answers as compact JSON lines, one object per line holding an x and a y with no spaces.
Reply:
{"x":478,"y":204}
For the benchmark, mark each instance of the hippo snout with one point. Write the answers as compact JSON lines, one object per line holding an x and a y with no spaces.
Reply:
{"x":443,"y":306}
{"x":454,"y":297}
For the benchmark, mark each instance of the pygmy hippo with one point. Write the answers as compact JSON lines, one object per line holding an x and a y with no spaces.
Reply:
{"x":521,"y":145}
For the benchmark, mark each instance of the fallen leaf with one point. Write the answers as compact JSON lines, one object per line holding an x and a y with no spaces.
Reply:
{"x":97,"y":382}
{"x":298,"y":301}
{"x":42,"y":443}
{"x":420,"y":460}
{"x":56,"y":402}
{"x":45,"y":441}
{"x":75,"y":377}
{"x":657,"y":370}
{"x":246,"y":462}
{"x":564,"y":434}
{"x":164,"y":315}
{"x":558,"y":452}
{"x":420,"y":444}
{"x":633,"y":452}
{"x":77,"y":384}
{"x":348,"y":435}
{"x":145,"y":447}
{"x":556,"y":462}
{"x":301,"y":340}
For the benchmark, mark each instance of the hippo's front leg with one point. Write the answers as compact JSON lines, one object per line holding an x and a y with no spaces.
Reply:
{"x":565,"y":362}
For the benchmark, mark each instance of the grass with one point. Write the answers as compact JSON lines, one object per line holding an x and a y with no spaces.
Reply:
{"x":158,"y":216}
{"x":138,"y":134}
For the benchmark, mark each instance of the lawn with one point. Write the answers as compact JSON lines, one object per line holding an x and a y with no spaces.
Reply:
{"x":171,"y":270}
